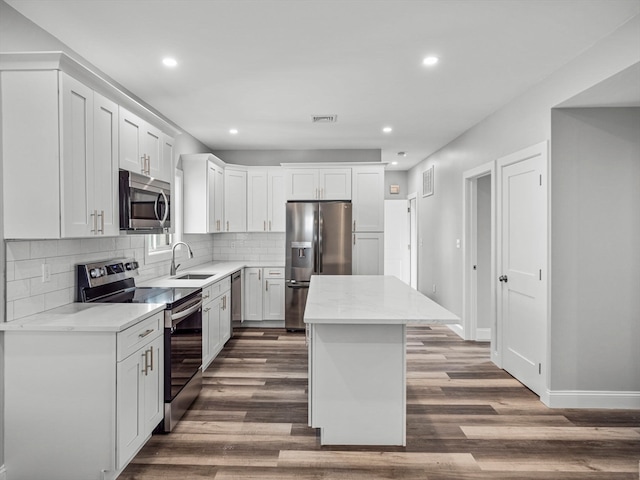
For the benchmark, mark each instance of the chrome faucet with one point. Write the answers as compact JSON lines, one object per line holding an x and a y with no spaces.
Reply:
{"x":175,"y":267}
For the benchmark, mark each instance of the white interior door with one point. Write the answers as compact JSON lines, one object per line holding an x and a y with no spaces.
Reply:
{"x":522,"y":293}
{"x":396,"y":239}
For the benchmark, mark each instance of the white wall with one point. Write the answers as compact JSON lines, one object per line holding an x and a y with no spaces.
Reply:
{"x":523,"y":122}
{"x":595,"y":296}
{"x":395,"y":177}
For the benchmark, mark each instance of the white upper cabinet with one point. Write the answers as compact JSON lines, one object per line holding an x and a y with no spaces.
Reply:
{"x":65,"y":183}
{"x":203,"y":194}
{"x":318,"y":183}
{"x":167,"y":158}
{"x":235,"y":200}
{"x":368,"y":198}
{"x":265,"y":200}
{"x":142,"y":147}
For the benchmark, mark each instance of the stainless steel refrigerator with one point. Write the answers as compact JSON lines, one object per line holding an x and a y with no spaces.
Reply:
{"x":318,"y":242}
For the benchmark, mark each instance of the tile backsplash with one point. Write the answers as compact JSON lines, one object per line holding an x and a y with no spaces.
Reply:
{"x":27,"y":294}
{"x":256,"y":247}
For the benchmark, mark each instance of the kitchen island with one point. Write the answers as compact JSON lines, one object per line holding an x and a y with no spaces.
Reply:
{"x":356,"y":329}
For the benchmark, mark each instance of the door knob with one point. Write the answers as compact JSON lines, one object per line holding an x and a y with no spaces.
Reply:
{"x":503,"y":278}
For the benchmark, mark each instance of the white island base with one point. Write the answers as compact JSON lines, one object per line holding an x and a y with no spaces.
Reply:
{"x":356,"y":327}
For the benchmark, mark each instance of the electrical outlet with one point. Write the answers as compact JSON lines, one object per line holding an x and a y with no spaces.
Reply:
{"x":46,"y":273}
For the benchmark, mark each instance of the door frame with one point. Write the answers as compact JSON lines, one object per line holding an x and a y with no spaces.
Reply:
{"x":540,"y":149}
{"x":469,"y":254}
{"x":414,"y":261}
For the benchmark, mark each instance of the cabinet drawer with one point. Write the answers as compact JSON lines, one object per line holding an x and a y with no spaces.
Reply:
{"x":133,"y":338}
{"x":217,"y":288}
{"x":273,"y":272}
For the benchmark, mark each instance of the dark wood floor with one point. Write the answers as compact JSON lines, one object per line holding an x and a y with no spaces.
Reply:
{"x":466,"y":419}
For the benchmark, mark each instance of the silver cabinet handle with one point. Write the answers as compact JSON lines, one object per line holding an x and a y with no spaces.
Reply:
{"x":266,"y":285}
{"x":146,"y":332}
{"x":143,"y":164}
{"x":204,"y":297}
{"x":354,"y":238}
{"x":151,"y":355}
{"x":259,"y":274}
{"x":94,"y":230}
{"x":207,"y":309}
{"x":354,"y":225}
{"x":101,"y":215}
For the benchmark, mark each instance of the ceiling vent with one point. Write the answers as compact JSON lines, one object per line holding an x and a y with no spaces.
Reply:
{"x":324,"y":118}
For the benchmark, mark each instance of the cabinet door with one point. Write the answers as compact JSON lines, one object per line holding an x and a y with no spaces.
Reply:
{"x":215,"y":319}
{"x":302,"y":184}
{"x":131,"y":129}
{"x":273,"y":307}
{"x":129,"y":404}
{"x":368,"y":254}
{"x":78,"y":213}
{"x":152,"y":147}
{"x":368,"y":199}
{"x":253,"y":294}
{"x":235,"y":200}
{"x":153,"y":385}
{"x":225,"y":318}
{"x":167,"y":168}
{"x":276,"y":203}
{"x":214,"y":223}
{"x":207,"y":355}
{"x":219,"y":198}
{"x":105,"y":156}
{"x":257,"y":207}
{"x":335,"y":183}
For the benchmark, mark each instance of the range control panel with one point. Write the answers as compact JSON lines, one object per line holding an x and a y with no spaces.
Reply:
{"x":95,"y":274}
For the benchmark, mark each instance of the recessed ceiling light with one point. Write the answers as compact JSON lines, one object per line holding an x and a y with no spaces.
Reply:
{"x":387,"y":129}
{"x":429,"y":61}
{"x":169,"y":62}
{"x":233,"y":131}
{"x":394,"y":163}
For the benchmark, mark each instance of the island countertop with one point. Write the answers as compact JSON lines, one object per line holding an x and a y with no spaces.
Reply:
{"x":370,"y":299}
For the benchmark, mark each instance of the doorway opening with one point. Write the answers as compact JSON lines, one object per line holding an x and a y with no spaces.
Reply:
{"x":479,"y":254}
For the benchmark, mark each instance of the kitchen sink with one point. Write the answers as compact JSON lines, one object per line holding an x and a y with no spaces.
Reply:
{"x":194,"y":276}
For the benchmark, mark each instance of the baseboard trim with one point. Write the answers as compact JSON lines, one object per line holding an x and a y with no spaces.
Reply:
{"x":483,"y":334}
{"x":457,"y":329}
{"x":591,"y":399}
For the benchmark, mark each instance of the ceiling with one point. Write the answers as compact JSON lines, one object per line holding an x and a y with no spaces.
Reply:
{"x":265,"y":67}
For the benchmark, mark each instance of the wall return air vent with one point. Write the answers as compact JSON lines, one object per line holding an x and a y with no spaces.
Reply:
{"x":324,"y":118}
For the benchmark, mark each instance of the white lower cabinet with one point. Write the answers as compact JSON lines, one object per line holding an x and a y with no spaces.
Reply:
{"x":216,"y":319}
{"x":80,"y":404}
{"x":140,"y":403}
{"x":367,"y":253}
{"x":263,"y":294}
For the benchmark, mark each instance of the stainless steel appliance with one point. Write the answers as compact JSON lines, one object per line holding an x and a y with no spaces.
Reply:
{"x":145,"y":204}
{"x":112,"y":281}
{"x":236,"y":300}
{"x":318,"y":242}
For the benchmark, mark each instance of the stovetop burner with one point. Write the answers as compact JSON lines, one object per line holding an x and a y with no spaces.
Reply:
{"x":168,"y":296}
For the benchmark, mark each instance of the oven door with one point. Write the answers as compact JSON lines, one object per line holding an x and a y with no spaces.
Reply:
{"x":183,"y":346}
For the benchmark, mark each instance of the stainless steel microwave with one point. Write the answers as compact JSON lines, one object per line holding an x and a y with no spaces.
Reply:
{"x":145,"y":204}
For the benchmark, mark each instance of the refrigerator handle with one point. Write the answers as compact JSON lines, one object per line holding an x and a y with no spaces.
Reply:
{"x":315,"y":241}
{"x":320,"y":240}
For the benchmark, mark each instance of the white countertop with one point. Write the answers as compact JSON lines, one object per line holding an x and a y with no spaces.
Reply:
{"x":85,"y":317}
{"x":219,"y":270}
{"x":370,"y":299}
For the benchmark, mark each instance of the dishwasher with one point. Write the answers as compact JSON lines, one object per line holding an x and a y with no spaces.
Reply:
{"x":236,"y":300}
